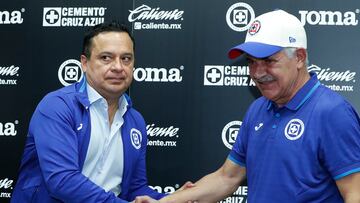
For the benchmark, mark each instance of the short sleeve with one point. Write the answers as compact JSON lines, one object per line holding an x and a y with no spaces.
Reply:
{"x":340,"y":147}
{"x":238,"y":152}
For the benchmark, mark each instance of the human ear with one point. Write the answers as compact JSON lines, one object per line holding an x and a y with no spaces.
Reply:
{"x":83,"y":60}
{"x":301,"y":56}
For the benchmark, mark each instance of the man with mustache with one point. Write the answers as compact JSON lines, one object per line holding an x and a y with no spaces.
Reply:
{"x":299,"y":142}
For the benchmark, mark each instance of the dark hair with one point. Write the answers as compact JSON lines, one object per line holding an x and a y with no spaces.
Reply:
{"x":100,"y":28}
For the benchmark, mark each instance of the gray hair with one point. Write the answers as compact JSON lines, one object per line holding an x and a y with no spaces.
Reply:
{"x":290,"y":52}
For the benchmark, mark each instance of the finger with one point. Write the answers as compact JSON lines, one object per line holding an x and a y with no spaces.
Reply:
{"x":189,"y":184}
{"x":141,"y":199}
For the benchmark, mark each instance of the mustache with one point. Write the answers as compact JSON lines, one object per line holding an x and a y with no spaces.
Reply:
{"x":266,"y":78}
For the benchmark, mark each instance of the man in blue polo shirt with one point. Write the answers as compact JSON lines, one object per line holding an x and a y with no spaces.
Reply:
{"x":300,"y":142}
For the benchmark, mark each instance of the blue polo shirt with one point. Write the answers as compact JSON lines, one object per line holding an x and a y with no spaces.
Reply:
{"x":297,"y":152}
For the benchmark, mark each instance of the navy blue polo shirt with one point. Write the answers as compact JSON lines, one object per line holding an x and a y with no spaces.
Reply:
{"x":297,"y":152}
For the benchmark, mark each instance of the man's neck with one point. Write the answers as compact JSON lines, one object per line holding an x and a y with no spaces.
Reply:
{"x":113,"y":106}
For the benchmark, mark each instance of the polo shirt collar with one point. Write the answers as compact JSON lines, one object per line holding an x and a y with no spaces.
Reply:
{"x":302,"y":95}
{"x":92,"y":94}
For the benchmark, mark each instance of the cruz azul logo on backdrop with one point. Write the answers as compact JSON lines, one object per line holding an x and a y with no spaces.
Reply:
{"x":218,"y":75}
{"x":239,"y":16}
{"x":162,"y":136}
{"x":70,"y":72}
{"x":230,"y":132}
{"x":146,"y":18}
{"x":342,"y":81}
{"x":158,"y":74}
{"x":9,"y":74}
{"x":12,"y":17}
{"x":8,"y":128}
{"x":348,"y":18}
{"x":73,"y":16}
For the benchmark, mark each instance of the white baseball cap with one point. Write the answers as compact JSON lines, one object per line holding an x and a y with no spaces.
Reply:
{"x":269,"y":33}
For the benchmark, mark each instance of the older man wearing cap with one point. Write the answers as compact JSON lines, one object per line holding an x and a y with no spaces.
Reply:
{"x":300,"y":142}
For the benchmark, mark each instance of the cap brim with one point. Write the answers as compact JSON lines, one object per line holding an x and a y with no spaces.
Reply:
{"x":255,"y":49}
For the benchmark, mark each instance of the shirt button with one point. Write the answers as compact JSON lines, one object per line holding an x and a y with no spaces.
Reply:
{"x":274,"y":126}
{"x":277,"y":115}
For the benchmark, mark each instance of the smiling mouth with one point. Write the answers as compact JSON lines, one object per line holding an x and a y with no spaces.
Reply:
{"x":265,"y":85}
{"x":265,"y":82}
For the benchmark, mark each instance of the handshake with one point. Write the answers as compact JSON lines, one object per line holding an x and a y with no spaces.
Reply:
{"x":168,"y":199}
{"x":146,"y":199}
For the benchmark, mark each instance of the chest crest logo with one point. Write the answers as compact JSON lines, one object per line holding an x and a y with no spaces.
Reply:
{"x":136,"y":137}
{"x":294,"y":129}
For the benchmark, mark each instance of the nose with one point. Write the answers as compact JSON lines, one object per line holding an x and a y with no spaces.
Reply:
{"x":257,"y":69}
{"x":117,"y":65}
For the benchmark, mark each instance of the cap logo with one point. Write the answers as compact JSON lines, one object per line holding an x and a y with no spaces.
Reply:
{"x":292,"y":40}
{"x":255,"y":27}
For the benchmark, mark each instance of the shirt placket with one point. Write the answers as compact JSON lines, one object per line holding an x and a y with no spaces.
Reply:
{"x":275,"y":123}
{"x":106,"y":134}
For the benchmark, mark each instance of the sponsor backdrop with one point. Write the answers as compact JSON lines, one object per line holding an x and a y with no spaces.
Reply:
{"x":191,"y":95}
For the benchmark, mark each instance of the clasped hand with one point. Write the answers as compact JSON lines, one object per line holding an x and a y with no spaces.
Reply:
{"x":147,"y":199}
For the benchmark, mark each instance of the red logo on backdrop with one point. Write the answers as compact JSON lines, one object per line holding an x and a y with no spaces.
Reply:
{"x":255,"y":27}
